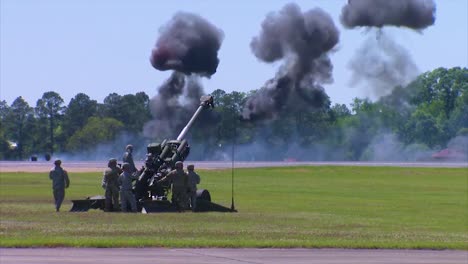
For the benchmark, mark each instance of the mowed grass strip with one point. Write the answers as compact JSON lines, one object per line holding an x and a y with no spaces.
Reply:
{"x":346,"y":207}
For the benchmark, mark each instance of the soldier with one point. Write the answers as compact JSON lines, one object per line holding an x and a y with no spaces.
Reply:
{"x":179,"y":180}
{"x":111,"y":185}
{"x":128,"y":158}
{"x":194,"y":179}
{"x":126,"y":195}
{"x":60,"y":181}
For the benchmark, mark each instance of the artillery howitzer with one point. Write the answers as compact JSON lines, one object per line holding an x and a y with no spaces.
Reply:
{"x":160,"y":159}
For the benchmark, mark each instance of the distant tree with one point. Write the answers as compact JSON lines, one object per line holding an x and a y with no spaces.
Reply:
{"x":228,"y":107}
{"x":441,"y":87}
{"x":424,"y":129}
{"x":97,"y":130}
{"x":358,"y":129}
{"x":80,"y":108}
{"x":111,"y":106}
{"x":4,"y":110}
{"x":135,"y":110}
{"x":4,"y":145}
{"x":459,"y":117}
{"x":132,"y":110}
{"x":19,"y":120}
{"x":438,"y":101}
{"x":49,"y":110}
{"x":340,"y":111}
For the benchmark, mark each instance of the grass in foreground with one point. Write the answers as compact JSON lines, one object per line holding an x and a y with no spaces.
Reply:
{"x":347,"y":207}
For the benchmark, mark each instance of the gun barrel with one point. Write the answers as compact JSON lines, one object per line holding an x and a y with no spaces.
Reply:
{"x":189,"y":124}
{"x":205,"y":102}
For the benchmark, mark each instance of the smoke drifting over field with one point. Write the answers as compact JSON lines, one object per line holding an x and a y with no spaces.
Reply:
{"x":381,"y":64}
{"x":301,"y":41}
{"x":189,"y":45}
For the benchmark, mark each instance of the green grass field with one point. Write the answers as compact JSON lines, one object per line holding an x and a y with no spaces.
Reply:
{"x":346,"y":207}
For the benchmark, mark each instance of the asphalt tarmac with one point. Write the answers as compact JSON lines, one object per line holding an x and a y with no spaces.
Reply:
{"x":217,"y":255}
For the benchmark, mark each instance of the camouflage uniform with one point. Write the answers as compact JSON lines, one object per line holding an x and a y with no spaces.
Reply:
{"x":60,"y":181}
{"x":111,"y":185}
{"x":128,"y":158}
{"x":180,"y":185}
{"x":126,"y":195}
{"x":194,"y":179}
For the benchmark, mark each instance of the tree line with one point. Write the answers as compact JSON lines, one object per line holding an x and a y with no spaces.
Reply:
{"x":423,"y":116}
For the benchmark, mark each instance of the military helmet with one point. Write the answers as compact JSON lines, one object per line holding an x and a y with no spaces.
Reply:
{"x":126,"y":166}
{"x":191,"y":167}
{"x":129,"y":147}
{"x":112,"y":162}
{"x":57,"y":162}
{"x":179,"y":165}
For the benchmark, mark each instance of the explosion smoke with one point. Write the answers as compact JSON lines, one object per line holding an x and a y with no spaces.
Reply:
{"x":302,"y":40}
{"x":188,"y":44}
{"x":381,"y":64}
{"x":415,"y":14}
{"x":177,"y":99}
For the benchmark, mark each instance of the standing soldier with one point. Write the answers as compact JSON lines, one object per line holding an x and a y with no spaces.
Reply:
{"x":128,"y":158}
{"x":194,"y":179}
{"x":179,"y":180}
{"x":127,"y":199}
{"x":110,"y":183}
{"x":60,"y":181}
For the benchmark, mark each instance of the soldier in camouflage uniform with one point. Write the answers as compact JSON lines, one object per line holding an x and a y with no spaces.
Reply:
{"x":60,"y":181}
{"x":194,"y":179}
{"x":127,"y":199}
{"x":111,"y":185}
{"x":180,"y":186}
{"x":128,"y":158}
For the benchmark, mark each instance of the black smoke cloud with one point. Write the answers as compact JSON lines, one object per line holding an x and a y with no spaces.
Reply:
{"x":415,"y":14}
{"x":301,"y":41}
{"x":188,"y":44}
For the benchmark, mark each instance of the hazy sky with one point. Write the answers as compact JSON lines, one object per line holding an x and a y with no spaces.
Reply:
{"x":100,"y":47}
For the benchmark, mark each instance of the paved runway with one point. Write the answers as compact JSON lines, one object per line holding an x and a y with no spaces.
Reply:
{"x":216,"y":255}
{"x":92,"y":166}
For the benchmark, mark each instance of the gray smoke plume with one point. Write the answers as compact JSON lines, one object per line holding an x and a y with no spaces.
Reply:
{"x":415,"y":14}
{"x":188,"y":44}
{"x":177,"y":100}
{"x":381,"y":64}
{"x":302,"y":41}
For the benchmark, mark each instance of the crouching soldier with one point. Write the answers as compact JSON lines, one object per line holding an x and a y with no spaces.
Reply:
{"x":179,"y":180}
{"x":127,"y":199}
{"x":110,"y":183}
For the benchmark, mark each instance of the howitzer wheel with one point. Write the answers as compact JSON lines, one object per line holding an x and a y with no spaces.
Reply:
{"x":204,"y":203}
{"x":204,"y":195}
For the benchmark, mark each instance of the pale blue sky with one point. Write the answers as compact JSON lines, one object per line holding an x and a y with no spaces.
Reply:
{"x":100,"y":47}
